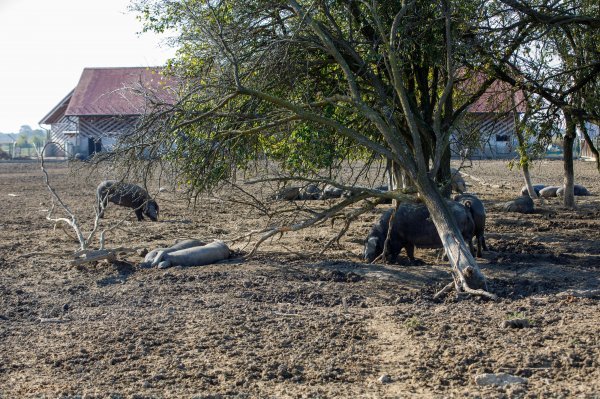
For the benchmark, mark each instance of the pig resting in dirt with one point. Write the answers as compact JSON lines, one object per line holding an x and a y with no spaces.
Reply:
{"x":548,"y":192}
{"x":412,"y":228}
{"x":577,"y":190}
{"x":188,"y":253}
{"x":522,"y":204}
{"x":308,"y":192}
{"x":330,"y":192}
{"x":128,"y":195}
{"x":179,"y":245}
{"x":536,"y":187}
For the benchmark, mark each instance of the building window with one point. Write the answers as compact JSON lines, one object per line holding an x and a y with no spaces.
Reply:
{"x":502,"y":137}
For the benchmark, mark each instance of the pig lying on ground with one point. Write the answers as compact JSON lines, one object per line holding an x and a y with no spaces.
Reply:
{"x":331,"y":191}
{"x":309,"y":192}
{"x":523,"y":204}
{"x":548,"y":192}
{"x":536,"y":188}
{"x":577,"y":190}
{"x":187,"y":254}
{"x":126,"y":194}
{"x":457,"y":182}
{"x":413,"y":228}
{"x":474,"y":204}
{"x":150,"y":256}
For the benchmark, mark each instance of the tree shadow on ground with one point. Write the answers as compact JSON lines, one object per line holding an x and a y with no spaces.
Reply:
{"x":124,"y":271}
{"x":412,"y":276}
{"x":535,"y":276}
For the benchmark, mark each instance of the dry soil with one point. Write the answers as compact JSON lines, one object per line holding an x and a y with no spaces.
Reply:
{"x":290,"y":322}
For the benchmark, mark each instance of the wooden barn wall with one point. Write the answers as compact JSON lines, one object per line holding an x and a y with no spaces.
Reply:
{"x":487,"y":135}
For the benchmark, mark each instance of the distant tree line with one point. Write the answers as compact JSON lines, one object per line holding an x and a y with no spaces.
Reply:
{"x":27,"y":139}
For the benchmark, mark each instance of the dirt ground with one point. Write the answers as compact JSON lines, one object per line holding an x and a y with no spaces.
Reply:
{"x":290,"y":323}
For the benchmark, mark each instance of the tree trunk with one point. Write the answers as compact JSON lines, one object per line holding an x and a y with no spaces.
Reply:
{"x":398,"y":178}
{"x":523,"y":156}
{"x":443,"y":173}
{"x":394,"y":175}
{"x":407,"y":184}
{"x":569,"y":177}
{"x":528,"y":182}
{"x":467,"y":275}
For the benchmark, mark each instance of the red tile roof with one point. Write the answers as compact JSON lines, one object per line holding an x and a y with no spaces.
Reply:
{"x":110,"y":91}
{"x":497,"y":99}
{"x":500,"y":97}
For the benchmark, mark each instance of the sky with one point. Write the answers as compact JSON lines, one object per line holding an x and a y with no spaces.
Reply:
{"x":46,"y":44}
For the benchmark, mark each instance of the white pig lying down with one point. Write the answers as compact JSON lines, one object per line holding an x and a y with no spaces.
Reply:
{"x":187,"y":253}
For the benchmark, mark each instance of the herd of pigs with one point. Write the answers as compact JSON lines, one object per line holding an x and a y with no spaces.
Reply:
{"x":411,"y":227}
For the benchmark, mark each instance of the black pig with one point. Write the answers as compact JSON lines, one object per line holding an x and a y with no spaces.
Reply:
{"x":577,"y":190}
{"x":477,"y":209}
{"x":536,"y":188}
{"x":413,"y":228}
{"x":126,"y":194}
{"x":522,"y":204}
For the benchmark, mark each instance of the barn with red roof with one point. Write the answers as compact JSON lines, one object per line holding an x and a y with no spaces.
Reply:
{"x":106,"y":103}
{"x":487,"y":128}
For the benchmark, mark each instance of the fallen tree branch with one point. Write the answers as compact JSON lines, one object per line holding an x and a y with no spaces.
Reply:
{"x":88,"y":256}
{"x":447,"y":288}
{"x":67,"y":233}
{"x":467,"y":290}
{"x":71,"y":220}
{"x":355,"y":190}
{"x":479,"y":180}
{"x":95,"y":256}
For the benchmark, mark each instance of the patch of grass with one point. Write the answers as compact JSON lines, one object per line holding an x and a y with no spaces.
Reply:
{"x":413,"y":323}
{"x":520,"y":316}
{"x":515,"y":315}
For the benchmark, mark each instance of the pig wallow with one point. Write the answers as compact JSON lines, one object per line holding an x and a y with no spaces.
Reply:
{"x":412,"y":228}
{"x":477,"y":209}
{"x":128,"y":195}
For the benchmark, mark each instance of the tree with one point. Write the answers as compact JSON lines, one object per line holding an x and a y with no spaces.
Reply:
{"x":558,"y":64}
{"x":38,"y":141}
{"x":334,"y":80}
{"x":25,"y":130}
{"x":534,"y":131}
{"x":22,"y":141}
